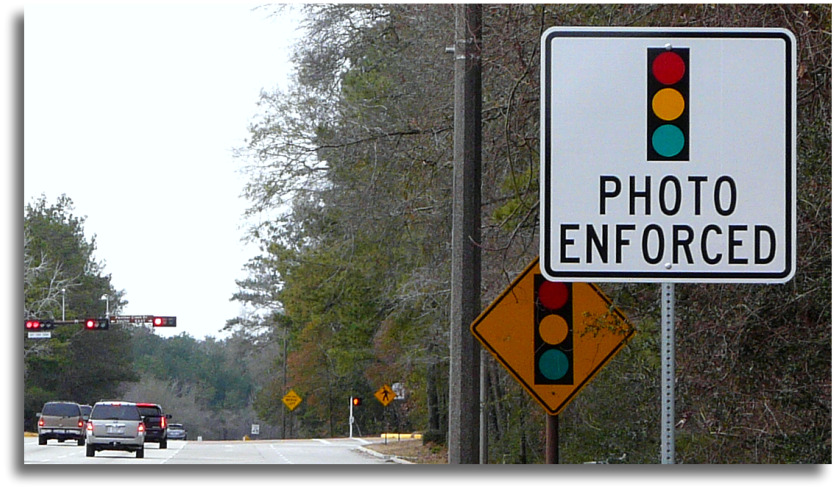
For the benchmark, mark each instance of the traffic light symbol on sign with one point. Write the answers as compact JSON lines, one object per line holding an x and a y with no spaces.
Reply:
{"x":165,"y":321}
{"x":553,"y":332}
{"x":668,"y":104}
{"x":356,"y":401}
{"x":97,"y":324}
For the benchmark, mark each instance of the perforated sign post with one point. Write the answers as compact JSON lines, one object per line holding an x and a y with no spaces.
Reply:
{"x":668,"y":155}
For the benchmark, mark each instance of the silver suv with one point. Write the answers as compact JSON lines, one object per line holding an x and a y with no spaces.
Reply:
{"x":115,"y":426}
{"x":62,"y":421}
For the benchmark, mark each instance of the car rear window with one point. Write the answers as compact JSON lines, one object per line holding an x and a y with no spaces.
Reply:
{"x":149,"y":411}
{"x":116,"y":412}
{"x":61,"y":409}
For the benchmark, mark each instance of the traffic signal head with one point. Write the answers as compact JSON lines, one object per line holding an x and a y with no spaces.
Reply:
{"x":165,"y":321}
{"x":97,"y":324}
{"x":38,"y":324}
{"x":553,"y":332}
{"x":668,"y":104}
{"x":356,"y":401}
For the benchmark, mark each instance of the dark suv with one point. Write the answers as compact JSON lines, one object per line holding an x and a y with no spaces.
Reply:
{"x":155,"y":423}
{"x":62,"y":421}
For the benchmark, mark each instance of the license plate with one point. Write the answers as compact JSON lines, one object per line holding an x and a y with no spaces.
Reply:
{"x":112,"y":429}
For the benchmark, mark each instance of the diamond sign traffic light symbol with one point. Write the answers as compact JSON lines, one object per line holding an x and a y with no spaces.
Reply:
{"x":553,"y":332}
{"x":553,"y":337}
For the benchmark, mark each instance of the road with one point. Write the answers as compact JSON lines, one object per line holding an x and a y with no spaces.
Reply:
{"x":289,"y":451}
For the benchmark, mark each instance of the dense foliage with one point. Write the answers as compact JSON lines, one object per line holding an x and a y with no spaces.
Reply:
{"x":59,"y":268}
{"x":349,"y":183}
{"x":350,"y":175}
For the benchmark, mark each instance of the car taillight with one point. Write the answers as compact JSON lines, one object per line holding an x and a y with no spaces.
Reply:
{"x":40,"y":422}
{"x":140,"y":428}
{"x":89,"y":426}
{"x":162,"y":422}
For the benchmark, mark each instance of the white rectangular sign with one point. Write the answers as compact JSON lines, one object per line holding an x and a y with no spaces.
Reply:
{"x":668,"y":155}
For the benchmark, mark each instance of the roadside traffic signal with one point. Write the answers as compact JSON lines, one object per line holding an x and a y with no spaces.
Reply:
{"x":165,"y":321}
{"x":97,"y":324}
{"x":553,"y":332}
{"x":38,"y":324}
{"x":668,"y":104}
{"x":356,"y":401}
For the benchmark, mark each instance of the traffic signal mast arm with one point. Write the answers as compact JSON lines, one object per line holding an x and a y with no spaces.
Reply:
{"x":103,"y":323}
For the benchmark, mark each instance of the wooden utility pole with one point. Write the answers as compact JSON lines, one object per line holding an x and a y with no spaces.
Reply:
{"x":551,"y":439}
{"x":463,"y":435}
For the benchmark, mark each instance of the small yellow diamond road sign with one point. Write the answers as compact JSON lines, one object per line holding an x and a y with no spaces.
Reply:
{"x":291,"y":400}
{"x":553,"y":337}
{"x":385,"y":395}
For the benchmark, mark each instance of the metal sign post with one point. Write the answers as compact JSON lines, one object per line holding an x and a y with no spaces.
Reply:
{"x":351,"y":416}
{"x":667,"y":363}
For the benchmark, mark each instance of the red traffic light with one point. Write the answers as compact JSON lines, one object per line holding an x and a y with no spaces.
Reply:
{"x":39,"y":324}
{"x":356,"y":401}
{"x":164,"y":321}
{"x":97,"y":324}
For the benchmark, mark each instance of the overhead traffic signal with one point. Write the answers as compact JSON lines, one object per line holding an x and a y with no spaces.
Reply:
{"x":668,"y":104}
{"x":553,"y":332}
{"x":164,"y":321}
{"x":38,"y":324}
{"x":356,"y":401}
{"x":97,"y":324}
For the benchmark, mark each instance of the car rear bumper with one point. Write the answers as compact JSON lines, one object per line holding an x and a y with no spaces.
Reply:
{"x":60,"y":433}
{"x":155,"y":435}
{"x":115,"y":446}
{"x":125,"y":443}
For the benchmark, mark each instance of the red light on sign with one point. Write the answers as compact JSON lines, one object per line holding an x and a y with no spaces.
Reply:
{"x":668,"y":68}
{"x":553,"y":295}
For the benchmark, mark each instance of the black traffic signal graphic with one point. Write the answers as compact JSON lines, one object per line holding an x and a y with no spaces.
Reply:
{"x":356,"y":401}
{"x":553,"y":332}
{"x":668,"y":104}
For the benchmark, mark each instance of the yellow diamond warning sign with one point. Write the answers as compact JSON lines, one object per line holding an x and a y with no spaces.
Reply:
{"x":385,"y":395}
{"x":291,"y":400}
{"x":553,"y":337}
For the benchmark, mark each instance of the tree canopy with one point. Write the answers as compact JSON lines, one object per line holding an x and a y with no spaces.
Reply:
{"x":350,"y":175}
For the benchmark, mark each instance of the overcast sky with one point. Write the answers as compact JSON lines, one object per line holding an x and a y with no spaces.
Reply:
{"x":133,"y":111}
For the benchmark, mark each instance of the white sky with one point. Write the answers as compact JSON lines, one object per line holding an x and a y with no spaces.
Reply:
{"x":133,"y":111}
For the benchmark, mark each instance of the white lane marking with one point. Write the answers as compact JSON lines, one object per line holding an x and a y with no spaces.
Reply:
{"x":279,"y":453}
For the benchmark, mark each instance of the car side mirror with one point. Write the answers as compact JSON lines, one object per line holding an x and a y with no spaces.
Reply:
{"x":168,"y":416}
